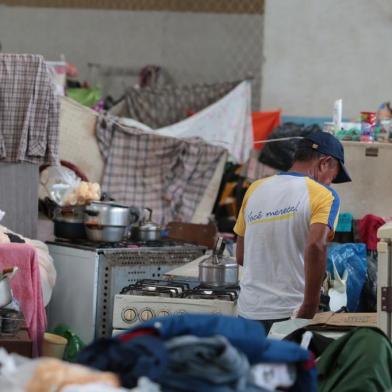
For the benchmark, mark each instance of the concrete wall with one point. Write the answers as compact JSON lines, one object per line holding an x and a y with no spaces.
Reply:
{"x":371,"y":187}
{"x":193,"y":47}
{"x":19,"y":197}
{"x":317,"y":51}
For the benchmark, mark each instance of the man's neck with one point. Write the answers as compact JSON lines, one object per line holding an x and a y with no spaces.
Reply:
{"x":304,"y":168}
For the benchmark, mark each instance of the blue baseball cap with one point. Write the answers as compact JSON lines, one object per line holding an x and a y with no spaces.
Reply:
{"x":327,"y":144}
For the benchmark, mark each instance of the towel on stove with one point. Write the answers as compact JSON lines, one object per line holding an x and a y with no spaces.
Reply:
{"x":26,"y":288}
{"x":45,"y":261}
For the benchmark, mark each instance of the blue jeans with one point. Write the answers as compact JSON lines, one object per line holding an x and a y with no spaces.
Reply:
{"x":206,"y":364}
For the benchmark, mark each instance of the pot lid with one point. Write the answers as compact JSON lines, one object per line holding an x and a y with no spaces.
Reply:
{"x":108,"y":204}
{"x":147,"y":224}
{"x":217,"y":259}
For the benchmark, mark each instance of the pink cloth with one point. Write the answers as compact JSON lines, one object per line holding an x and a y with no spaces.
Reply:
{"x":26,"y":288}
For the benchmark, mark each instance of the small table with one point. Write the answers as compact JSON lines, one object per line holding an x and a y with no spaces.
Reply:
{"x":20,"y":343}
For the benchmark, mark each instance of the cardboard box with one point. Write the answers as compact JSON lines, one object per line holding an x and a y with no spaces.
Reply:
{"x":342,"y":321}
{"x":19,"y":343}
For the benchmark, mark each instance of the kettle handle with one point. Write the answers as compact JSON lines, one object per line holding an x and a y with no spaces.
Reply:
{"x":149,"y":210}
{"x":219,"y":247}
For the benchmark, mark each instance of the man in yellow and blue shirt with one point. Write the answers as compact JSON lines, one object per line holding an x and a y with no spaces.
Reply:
{"x":283,"y":228}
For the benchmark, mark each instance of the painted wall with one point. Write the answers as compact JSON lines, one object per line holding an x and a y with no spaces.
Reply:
{"x":318,"y":51}
{"x":193,"y":47}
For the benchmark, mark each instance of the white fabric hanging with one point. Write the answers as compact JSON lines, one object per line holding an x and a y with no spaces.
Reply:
{"x":226,"y":123}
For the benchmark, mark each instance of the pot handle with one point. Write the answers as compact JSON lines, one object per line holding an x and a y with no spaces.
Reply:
{"x":135,"y":215}
{"x":219,"y":248}
{"x":91,"y":211}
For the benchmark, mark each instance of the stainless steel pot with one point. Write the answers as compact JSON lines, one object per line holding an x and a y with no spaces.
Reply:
{"x":5,"y":288}
{"x":217,"y":270}
{"x":146,"y":230}
{"x":109,"y":221}
{"x":104,"y":213}
{"x":98,"y":233}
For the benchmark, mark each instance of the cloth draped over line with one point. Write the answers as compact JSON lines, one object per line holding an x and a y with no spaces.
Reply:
{"x":227,"y":123}
{"x":160,"y":107}
{"x":166,"y":174}
{"x":29,"y":110}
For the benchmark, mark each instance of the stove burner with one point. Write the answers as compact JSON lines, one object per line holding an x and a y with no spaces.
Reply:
{"x":226,"y":294}
{"x":158,"y":288}
{"x":175,"y":289}
{"x":120,"y":244}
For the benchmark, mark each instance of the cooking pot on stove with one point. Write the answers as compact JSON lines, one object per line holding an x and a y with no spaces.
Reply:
{"x":69,"y":222}
{"x":146,"y":230}
{"x":218,"y":270}
{"x":109,"y":221}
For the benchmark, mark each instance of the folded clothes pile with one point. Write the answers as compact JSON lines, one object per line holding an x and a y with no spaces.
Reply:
{"x":196,"y":352}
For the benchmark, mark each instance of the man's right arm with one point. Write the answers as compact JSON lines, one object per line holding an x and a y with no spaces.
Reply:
{"x":315,"y":261}
{"x":240,"y":250}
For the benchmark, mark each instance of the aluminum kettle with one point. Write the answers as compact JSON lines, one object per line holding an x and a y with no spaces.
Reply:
{"x":218,"y":270}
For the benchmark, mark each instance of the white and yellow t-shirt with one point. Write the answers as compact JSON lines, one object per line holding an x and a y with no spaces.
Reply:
{"x":275,"y":218}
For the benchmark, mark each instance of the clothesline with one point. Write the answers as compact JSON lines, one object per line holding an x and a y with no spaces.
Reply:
{"x":282,"y":139}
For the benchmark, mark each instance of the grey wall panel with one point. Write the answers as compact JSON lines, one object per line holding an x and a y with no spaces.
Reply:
{"x":192,"y":47}
{"x":19,"y":197}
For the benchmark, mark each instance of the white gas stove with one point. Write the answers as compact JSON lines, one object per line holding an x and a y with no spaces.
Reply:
{"x":154,"y":298}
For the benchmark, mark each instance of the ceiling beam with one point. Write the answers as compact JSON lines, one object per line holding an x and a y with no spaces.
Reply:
{"x":209,"y":6}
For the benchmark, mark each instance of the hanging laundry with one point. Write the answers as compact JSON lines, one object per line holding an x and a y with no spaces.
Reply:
{"x":263,"y":124}
{"x":159,"y":107}
{"x":225,"y":123}
{"x":29,"y":110}
{"x":165,"y":174}
{"x":78,"y":143}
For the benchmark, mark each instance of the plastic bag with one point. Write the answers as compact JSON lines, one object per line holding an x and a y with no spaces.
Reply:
{"x":350,"y":257}
{"x":74,"y":345}
{"x":59,"y":182}
{"x":85,"y":96}
{"x":338,"y":290}
{"x":65,"y":188}
{"x":368,"y":301}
